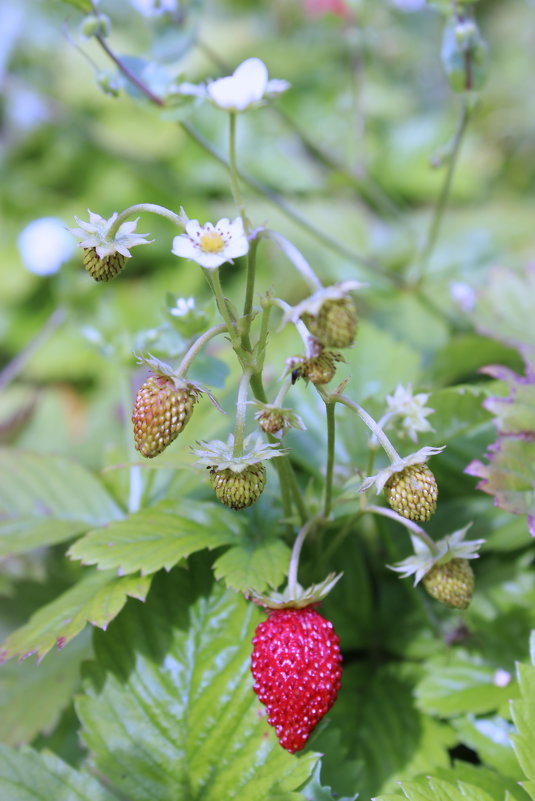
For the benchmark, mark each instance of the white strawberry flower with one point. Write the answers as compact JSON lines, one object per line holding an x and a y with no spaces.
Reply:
{"x":246,"y":87}
{"x":98,"y":229}
{"x":411,"y":409}
{"x":211,"y":245}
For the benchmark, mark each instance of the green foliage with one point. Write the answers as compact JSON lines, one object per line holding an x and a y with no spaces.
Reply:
{"x":362,"y":167}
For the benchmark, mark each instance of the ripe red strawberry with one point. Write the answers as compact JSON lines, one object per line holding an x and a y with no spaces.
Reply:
{"x":296,"y":665}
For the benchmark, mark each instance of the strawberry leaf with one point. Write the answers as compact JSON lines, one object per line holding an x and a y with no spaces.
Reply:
{"x":254,"y":564}
{"x":510,"y":472}
{"x":28,"y":775}
{"x":523,"y":712}
{"x":158,"y":537}
{"x":32,"y":696}
{"x":431,"y":789}
{"x":48,"y":499}
{"x":96,"y":599}
{"x":168,"y":709}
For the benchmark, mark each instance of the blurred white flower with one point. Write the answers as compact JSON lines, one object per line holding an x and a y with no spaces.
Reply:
{"x":211,"y":245}
{"x":99,"y":238}
{"x":463,"y":295}
{"x":502,"y":677}
{"x":182,"y":307}
{"x":155,"y":8}
{"x":44,"y":244}
{"x":247,"y":86}
{"x":410,"y":5}
{"x":412,"y":410}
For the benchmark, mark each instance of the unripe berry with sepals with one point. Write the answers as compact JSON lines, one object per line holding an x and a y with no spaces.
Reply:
{"x":412,"y":492}
{"x":336,"y":323}
{"x":319,"y":369}
{"x":238,"y":490}
{"x":161,"y":410}
{"x":296,"y":665}
{"x":103,"y":269}
{"x":451,"y":583}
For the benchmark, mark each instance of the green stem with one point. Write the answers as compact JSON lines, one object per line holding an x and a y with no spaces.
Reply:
{"x":249,"y":293}
{"x":197,"y":346}
{"x":387,"y":446}
{"x":331,"y":433}
{"x":277,"y":200}
{"x":152,"y":208}
{"x":438,"y":214}
{"x":19,"y":362}
{"x":135,"y":491}
{"x":233,"y":170}
{"x":283,"y":392}
{"x":296,"y":491}
{"x":215,"y":284}
{"x":294,"y":558}
{"x":241,"y":414}
{"x":132,"y":77}
{"x":296,"y":258}
{"x":413,"y":527}
{"x":262,"y":340}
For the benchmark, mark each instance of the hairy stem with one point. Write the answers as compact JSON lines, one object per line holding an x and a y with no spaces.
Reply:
{"x":331,"y":433}
{"x":438,"y":214}
{"x":152,"y":208}
{"x":233,"y":170}
{"x":296,"y":258}
{"x":413,"y":527}
{"x":387,"y":446}
{"x":197,"y":346}
{"x":241,"y":414}
{"x":294,"y":558}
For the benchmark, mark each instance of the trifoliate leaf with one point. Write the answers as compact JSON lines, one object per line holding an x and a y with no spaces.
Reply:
{"x":96,"y":599}
{"x":158,"y":537}
{"x":47,"y":499}
{"x":168,"y":710}
{"x":431,"y":789}
{"x":28,"y":775}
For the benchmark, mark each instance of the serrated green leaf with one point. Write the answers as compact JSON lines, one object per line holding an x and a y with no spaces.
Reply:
{"x":490,"y":738}
{"x":500,"y":788}
{"x":439,"y":790}
{"x":32,"y":696}
{"x":459,"y":683}
{"x":96,"y":599}
{"x":523,"y":713}
{"x":169,"y":710}
{"x":158,"y":537}
{"x":47,"y":499}
{"x":315,"y":791}
{"x":254,"y":565}
{"x":28,"y":775}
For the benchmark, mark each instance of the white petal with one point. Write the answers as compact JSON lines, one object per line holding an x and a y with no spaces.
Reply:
{"x":210,"y":260}
{"x":84,"y":226}
{"x":193,"y":229}
{"x":235,"y":228}
{"x":277,"y":86}
{"x":253,"y":74}
{"x":184,"y":247}
{"x":223,"y":93}
{"x":95,"y":219}
{"x":237,"y":247}
{"x":222,"y":225}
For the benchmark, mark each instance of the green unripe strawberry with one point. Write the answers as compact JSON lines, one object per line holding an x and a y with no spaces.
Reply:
{"x":413,"y":492}
{"x":238,"y":490}
{"x":161,"y":410}
{"x":103,"y":269}
{"x":452,"y":583}
{"x":320,"y":369}
{"x":336,"y":323}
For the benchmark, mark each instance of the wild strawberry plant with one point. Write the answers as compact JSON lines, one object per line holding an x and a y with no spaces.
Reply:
{"x":212,"y":602}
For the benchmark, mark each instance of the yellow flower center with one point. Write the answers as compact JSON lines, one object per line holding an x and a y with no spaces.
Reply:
{"x":211,"y":242}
